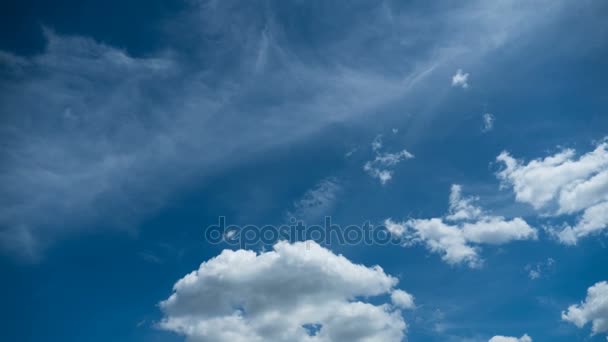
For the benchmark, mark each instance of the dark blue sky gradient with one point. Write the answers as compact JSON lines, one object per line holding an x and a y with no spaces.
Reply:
{"x":546,"y":87}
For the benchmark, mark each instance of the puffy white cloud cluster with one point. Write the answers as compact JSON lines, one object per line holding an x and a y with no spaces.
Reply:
{"x":594,"y":309}
{"x":279,"y":295}
{"x":499,"y":338}
{"x":457,"y":235}
{"x":402,"y":299}
{"x":563,"y":184}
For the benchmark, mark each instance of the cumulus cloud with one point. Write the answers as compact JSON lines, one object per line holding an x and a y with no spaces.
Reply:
{"x":593,"y":220}
{"x":594,"y":309}
{"x":562,"y":184}
{"x":296,"y":292}
{"x":460,"y":79}
{"x":457,"y":235}
{"x":402,"y":299}
{"x":488,"y":122}
{"x":462,"y":208}
{"x":395,"y":228}
{"x":499,"y":338}
{"x":316,"y":202}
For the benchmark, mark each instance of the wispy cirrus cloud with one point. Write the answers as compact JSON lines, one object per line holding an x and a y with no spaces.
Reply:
{"x":316,"y":202}
{"x":78,"y":164}
{"x":488,"y":122}
{"x":105,"y":126}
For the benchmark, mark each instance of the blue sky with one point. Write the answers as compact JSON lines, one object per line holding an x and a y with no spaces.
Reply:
{"x":127,"y":129}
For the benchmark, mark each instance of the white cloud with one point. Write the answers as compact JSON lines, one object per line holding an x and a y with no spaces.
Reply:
{"x":539,"y":269}
{"x":593,"y":220}
{"x":488,"y":122}
{"x":382,"y":165}
{"x":534,"y":274}
{"x":573,"y":184}
{"x":272,"y":296}
{"x":563,"y":184}
{"x":316,"y":202}
{"x":462,"y":208}
{"x":392,"y":159}
{"x":350,"y":152}
{"x":444,"y":239}
{"x":457,"y":235}
{"x":402,"y":299}
{"x":499,"y":338}
{"x":377,"y":143}
{"x":460,"y":79}
{"x":593,"y":309}
{"x":395,"y":228}
{"x":497,"y":230}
